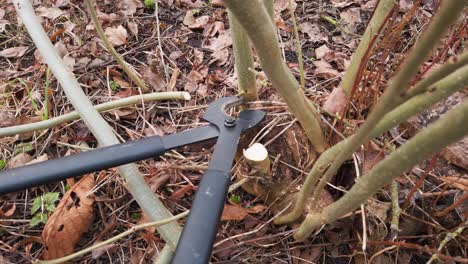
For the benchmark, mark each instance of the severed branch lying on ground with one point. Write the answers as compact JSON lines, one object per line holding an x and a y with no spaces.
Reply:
{"x":74,"y":115}
{"x":257,"y":22}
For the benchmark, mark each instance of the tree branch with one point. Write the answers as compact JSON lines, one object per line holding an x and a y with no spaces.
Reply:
{"x":447,"y":130}
{"x":254,"y":18}
{"x":52,"y":122}
{"x":130,"y":72}
{"x":444,"y":88}
{"x":243,"y":59}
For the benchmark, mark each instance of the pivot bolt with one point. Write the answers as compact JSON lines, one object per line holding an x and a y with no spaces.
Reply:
{"x":230,"y":121}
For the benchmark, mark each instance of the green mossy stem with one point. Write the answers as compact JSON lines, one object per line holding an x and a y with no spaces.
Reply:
{"x":444,"y":88}
{"x":243,"y":59}
{"x":130,"y":72}
{"x":449,"y":129}
{"x":256,"y":21}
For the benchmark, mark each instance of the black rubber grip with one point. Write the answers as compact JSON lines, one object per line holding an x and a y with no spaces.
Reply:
{"x":196,"y":242}
{"x":85,"y":162}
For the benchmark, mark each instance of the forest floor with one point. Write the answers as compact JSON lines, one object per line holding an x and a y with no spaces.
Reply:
{"x":192,"y":52}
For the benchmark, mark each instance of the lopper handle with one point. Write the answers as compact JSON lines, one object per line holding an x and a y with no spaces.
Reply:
{"x":85,"y":162}
{"x":196,"y":242}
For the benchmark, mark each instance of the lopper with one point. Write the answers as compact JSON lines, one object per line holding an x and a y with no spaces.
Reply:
{"x":196,"y":242}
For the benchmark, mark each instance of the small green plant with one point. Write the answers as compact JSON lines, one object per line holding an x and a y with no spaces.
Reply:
{"x":136,"y":216}
{"x":149,"y":4}
{"x":24,"y":147}
{"x":114,"y":85}
{"x":42,"y":206}
{"x":45,"y":112}
{"x":235,"y":198}
{"x":45,"y":115}
{"x":2,"y":164}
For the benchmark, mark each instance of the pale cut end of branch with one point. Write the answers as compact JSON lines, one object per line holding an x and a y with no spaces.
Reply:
{"x":186,"y":96}
{"x":257,"y":157}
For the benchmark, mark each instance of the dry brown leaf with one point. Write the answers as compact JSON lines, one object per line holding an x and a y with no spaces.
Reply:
{"x":281,"y":5}
{"x":192,"y":22}
{"x":213,"y":28}
{"x":351,"y":17}
{"x":7,"y":211}
{"x":324,"y":70}
{"x":3,"y":22}
{"x":71,"y":219}
{"x":220,"y":57}
{"x":133,"y":28}
{"x":194,"y":77}
{"x":7,"y":119}
{"x":121,"y":82}
{"x":223,"y":40}
{"x":129,"y":7}
{"x":49,"y":12}
{"x":336,"y":101}
{"x":153,"y":77}
{"x":117,"y":35}
{"x":13,"y":52}
{"x":182,"y":191}
{"x":98,"y":252}
{"x":43,"y":157}
{"x":237,"y":213}
{"x":342,"y":3}
{"x":313,"y":32}
{"x":460,"y":182}
{"x":322,"y":51}
{"x":19,"y":160}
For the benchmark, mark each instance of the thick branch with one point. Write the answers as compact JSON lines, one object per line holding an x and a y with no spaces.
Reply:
{"x":135,"y":182}
{"x":444,"y":88}
{"x":450,"y":66}
{"x":378,"y":19}
{"x":253,"y":16}
{"x":14,"y":130}
{"x":392,"y":96}
{"x":243,"y":59}
{"x":447,"y":130}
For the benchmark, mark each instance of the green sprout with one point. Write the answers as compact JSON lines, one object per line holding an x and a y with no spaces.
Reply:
{"x":43,"y":206}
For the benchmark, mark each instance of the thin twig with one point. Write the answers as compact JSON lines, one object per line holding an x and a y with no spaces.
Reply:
{"x":74,"y":115}
{"x":113,"y":239}
{"x":130,"y":72}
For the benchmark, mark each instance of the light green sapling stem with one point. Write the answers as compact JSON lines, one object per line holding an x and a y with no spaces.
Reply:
{"x":243,"y":59}
{"x":270,"y":7}
{"x":52,"y":122}
{"x":130,"y":72}
{"x":394,"y":94}
{"x":256,"y":21}
{"x":381,"y":12}
{"x":444,"y":88}
{"x":449,"y":129}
